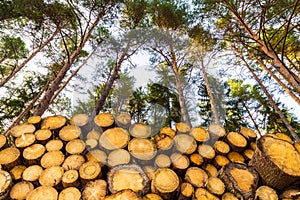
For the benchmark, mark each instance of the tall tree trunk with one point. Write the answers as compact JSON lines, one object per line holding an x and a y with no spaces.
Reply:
{"x":27,"y":109}
{"x":29,"y":58}
{"x":183,"y":107}
{"x":269,"y":96}
{"x":210,"y":94}
{"x":251,"y":117}
{"x":111,"y":80}
{"x":279,"y":65}
{"x":45,"y":101}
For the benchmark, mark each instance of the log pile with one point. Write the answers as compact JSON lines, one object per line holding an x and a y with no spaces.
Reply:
{"x":111,"y":157}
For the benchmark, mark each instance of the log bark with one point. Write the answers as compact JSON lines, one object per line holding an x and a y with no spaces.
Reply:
{"x":10,"y":157}
{"x":140,"y":130}
{"x":240,"y":179}
{"x":5,"y":184}
{"x":292,"y":192}
{"x":121,"y":177}
{"x":70,"y":193}
{"x":277,"y":161}
{"x":165,"y":183}
{"x":114,"y":138}
{"x":94,"y":190}
{"x":20,"y":190}
{"x":43,"y":192}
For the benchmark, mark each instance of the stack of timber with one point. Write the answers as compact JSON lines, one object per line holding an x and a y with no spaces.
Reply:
{"x":111,"y":158}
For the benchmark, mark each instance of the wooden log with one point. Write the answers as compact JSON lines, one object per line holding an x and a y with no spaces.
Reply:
{"x":180,"y":162}
{"x":206,"y":151}
{"x":162,"y":160}
{"x":182,"y":127}
{"x":165,"y":183}
{"x":3,"y":142}
{"x":70,"y":178}
{"x":35,"y":120}
{"x":152,"y":196}
{"x":16,"y":172}
{"x":94,"y":190}
{"x":54,"y":145}
{"x":32,"y":174}
{"x":185,"y":143}
{"x":186,"y":191}
{"x":123,"y":195}
{"x":10,"y":157}
{"x":73,"y":162}
{"x":114,"y":138}
{"x":221,"y":147}
{"x":253,"y":145}
{"x":240,"y":179}
{"x":215,"y":186}
{"x":150,"y":171}
{"x":76,"y":146}
{"x":20,"y":190}
{"x":123,"y":120}
{"x":196,"y":176}
{"x":118,"y":157}
{"x":140,"y":130}
{"x":196,"y":160}
{"x":216,"y":132}
{"x":21,"y":129}
{"x":91,"y":144}
{"x":52,"y":158}
{"x":70,"y":193}
{"x":33,"y":154}
{"x":248,"y":133}
{"x":168,"y":131}
{"x":234,"y":156}
{"x":265,"y":193}
{"x":142,"y":149}
{"x":89,"y":171}
{"x":248,"y":154}
{"x":43,"y":192}
{"x":163,"y":142}
{"x":220,"y":161}
{"x":104,"y":121}
{"x":236,"y":141}
{"x":292,"y":192}
{"x":25,"y":140}
{"x":97,"y":156}
{"x":284,"y":137}
{"x":277,"y":161}
{"x":204,"y":194}
{"x":43,"y":136}
{"x":52,"y":176}
{"x":69,"y":132}
{"x":297,"y":146}
{"x":82,"y":121}
{"x":121,"y":177}
{"x":5,"y":184}
{"x":200,"y":134}
{"x":229,"y":196}
{"x":211,"y":170}
{"x":53,"y":122}
{"x":93,"y":134}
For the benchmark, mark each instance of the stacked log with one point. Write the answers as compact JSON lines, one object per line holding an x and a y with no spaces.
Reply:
{"x":112,"y":157}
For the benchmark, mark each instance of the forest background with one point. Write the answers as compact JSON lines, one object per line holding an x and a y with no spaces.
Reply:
{"x":231,"y":62}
